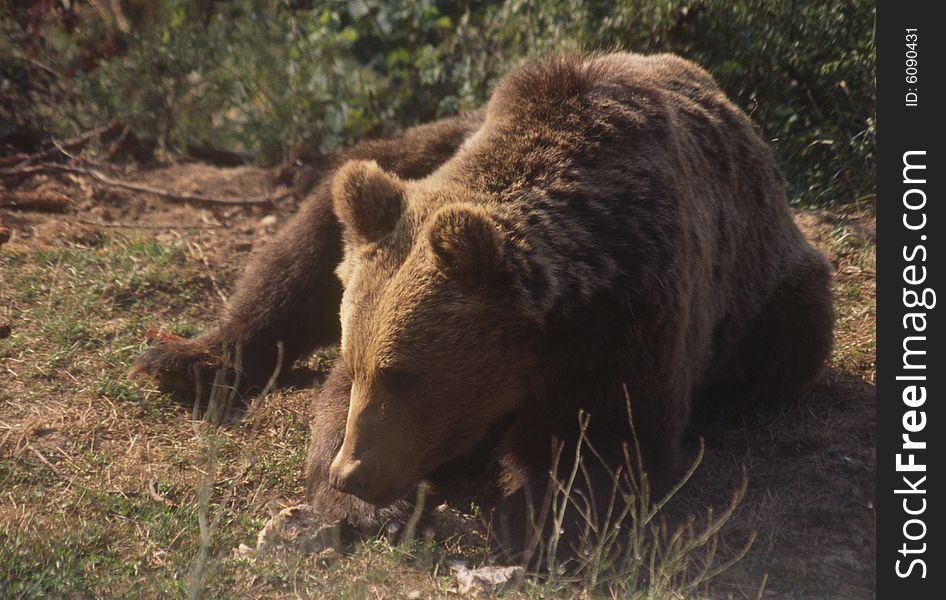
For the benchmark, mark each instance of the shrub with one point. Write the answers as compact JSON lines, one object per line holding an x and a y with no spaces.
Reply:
{"x":265,"y":77}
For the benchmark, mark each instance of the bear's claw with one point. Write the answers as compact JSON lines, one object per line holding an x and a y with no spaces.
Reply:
{"x":172,"y":364}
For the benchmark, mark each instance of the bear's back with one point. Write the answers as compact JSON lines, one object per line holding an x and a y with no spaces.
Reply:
{"x":627,"y":167}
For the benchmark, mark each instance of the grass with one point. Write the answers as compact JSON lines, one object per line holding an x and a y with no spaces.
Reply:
{"x":104,"y":481}
{"x":81,"y":443}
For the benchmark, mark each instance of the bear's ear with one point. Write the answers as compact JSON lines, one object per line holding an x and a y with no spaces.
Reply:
{"x":367,"y":201}
{"x":467,"y":242}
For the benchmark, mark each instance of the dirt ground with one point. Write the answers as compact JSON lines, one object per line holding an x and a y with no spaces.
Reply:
{"x":99,"y":476}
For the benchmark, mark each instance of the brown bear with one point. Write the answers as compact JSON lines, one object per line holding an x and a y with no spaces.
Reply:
{"x":610,"y":231}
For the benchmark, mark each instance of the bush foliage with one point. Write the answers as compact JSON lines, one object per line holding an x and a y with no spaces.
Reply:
{"x":264,"y":77}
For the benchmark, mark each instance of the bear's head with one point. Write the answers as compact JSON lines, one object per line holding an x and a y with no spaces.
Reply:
{"x":433,"y":335}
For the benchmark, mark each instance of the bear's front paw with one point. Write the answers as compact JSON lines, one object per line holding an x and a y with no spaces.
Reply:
{"x":174,"y":363}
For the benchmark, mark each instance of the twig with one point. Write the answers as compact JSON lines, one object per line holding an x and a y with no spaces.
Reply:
{"x":153,"y":492}
{"x":134,"y":187}
{"x":46,"y":462}
{"x":68,"y":459}
{"x":147,"y":225}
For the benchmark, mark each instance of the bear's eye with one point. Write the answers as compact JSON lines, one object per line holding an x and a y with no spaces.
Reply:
{"x":396,"y":380}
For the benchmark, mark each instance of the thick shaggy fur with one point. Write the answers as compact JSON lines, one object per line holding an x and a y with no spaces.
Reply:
{"x":612,"y":221}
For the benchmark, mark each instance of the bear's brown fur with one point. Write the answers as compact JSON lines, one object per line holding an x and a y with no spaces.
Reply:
{"x":612,"y":223}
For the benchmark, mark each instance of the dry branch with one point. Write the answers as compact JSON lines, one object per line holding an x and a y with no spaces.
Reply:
{"x":45,"y":461}
{"x":119,"y":225}
{"x":41,"y":200}
{"x":135,"y":187}
{"x":71,"y":145}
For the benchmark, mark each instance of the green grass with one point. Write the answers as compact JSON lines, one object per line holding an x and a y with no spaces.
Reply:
{"x":79,"y":316}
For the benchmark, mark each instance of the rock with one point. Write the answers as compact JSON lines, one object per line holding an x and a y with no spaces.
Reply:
{"x":490,"y":580}
{"x":268,"y":223}
{"x":455,"y":564}
{"x":298,"y":530}
{"x":329,"y":555}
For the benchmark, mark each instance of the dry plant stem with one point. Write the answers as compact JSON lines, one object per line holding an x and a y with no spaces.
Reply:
{"x":410,"y":528}
{"x":205,"y":480}
{"x":220,"y":409}
{"x":765,"y":579}
{"x":607,"y":537}
{"x":561,"y":509}
{"x":255,"y":404}
{"x":199,"y":388}
{"x":713,"y":529}
{"x":626,"y":548}
{"x":209,"y":437}
{"x":197,"y":577}
{"x":537,"y":545}
{"x":153,"y":492}
{"x":683,"y":480}
{"x":226,"y":414}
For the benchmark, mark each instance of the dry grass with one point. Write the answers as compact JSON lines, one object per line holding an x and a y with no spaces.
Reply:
{"x":100,"y":476}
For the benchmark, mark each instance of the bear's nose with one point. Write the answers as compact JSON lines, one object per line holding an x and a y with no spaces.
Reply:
{"x":350,"y":476}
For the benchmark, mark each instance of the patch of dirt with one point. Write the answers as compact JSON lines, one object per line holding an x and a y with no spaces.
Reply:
{"x":221,"y":232}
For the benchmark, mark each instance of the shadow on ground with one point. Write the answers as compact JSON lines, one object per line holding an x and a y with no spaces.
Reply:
{"x":810,"y":496}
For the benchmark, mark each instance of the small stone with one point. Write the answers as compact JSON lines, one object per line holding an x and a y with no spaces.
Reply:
{"x":413,"y":595}
{"x":490,"y":580}
{"x":455,"y":564}
{"x":329,"y":555}
{"x":268,"y":222}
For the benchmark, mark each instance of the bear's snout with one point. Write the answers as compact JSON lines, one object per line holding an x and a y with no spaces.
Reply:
{"x":349,"y":476}
{"x":363,"y":478}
